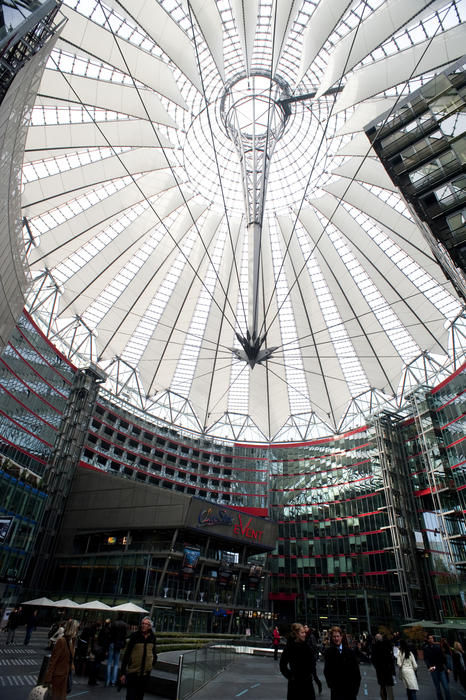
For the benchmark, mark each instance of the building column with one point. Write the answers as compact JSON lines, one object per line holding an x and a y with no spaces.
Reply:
{"x":165,"y":566}
{"x":61,"y":468}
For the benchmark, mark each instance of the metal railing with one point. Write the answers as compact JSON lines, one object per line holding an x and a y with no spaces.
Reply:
{"x":198,"y":667}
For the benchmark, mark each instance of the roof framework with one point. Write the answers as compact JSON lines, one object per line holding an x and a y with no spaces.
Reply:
{"x":137,"y":229}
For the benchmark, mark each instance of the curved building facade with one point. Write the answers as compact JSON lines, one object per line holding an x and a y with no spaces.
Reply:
{"x":364,"y":528}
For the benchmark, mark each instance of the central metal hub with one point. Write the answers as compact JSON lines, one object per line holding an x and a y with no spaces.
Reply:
{"x":252,"y":107}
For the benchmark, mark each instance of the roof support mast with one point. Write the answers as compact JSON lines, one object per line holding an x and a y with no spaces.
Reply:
{"x":255,"y":118}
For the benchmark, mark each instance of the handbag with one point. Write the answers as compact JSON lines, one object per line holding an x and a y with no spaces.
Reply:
{"x":39,"y":692}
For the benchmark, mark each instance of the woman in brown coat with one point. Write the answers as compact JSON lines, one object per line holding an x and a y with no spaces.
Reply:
{"x":61,"y":661}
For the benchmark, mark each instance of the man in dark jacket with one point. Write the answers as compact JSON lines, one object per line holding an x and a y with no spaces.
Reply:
{"x":341,"y":668}
{"x":435,"y":662}
{"x":138,"y":659}
{"x":384,"y":664}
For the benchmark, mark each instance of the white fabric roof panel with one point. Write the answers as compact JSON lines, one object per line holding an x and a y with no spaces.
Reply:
{"x":213,"y":368}
{"x":367,"y":36}
{"x":84,"y":37}
{"x":136,"y":297}
{"x":358,"y":146}
{"x":323,"y":20}
{"x":245,"y":16}
{"x":364,"y":113}
{"x":89,"y":282}
{"x":402,"y":230}
{"x":422,"y":319}
{"x":56,"y":139}
{"x":103,"y":205}
{"x":405,"y":65}
{"x":159,"y":360}
{"x":65,"y":238}
{"x":210,"y":23}
{"x":326,"y":383}
{"x":53,"y":191}
{"x":284,"y":13}
{"x":57,"y":88}
{"x":366,"y":170}
{"x":367,"y":336}
{"x":164,"y":31}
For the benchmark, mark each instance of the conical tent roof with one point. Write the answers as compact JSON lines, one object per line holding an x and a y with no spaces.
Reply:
{"x":158,"y":254}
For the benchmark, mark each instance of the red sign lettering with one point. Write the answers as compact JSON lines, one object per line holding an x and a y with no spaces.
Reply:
{"x":247,"y":531}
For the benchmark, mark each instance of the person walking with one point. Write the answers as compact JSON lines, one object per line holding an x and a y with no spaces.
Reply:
{"x":297,"y":664}
{"x":407,"y":665}
{"x":96,"y":653}
{"x":118,"y":634}
{"x":31,"y":624}
{"x":138,"y":658}
{"x":61,"y":662}
{"x":312,"y":642}
{"x":275,"y":642}
{"x":446,"y":648}
{"x":14,"y":620}
{"x":341,"y":668}
{"x":459,"y":664}
{"x":436,"y":663}
{"x":383,"y":661}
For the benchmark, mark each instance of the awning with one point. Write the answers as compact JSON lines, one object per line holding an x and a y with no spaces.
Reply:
{"x":129,"y":607}
{"x":45,"y":602}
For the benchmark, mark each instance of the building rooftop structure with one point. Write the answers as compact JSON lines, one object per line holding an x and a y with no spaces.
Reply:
{"x":205,"y":219}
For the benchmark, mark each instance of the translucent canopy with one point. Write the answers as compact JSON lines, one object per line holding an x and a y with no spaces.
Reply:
{"x":153,"y":225}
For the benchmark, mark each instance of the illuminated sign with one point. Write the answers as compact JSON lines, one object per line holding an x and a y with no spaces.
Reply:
{"x":208,"y":517}
{"x":212,"y":516}
{"x":246,"y":531}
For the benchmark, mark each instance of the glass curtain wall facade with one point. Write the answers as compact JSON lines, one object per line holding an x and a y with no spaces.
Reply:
{"x":435,"y":442}
{"x":122,"y":442}
{"x":21,"y":510}
{"x":334,"y":559}
{"x":35,"y":383}
{"x":217,"y":593}
{"x":422,"y":144}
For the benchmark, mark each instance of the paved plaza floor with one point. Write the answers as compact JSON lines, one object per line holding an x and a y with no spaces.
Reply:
{"x":248,"y":678}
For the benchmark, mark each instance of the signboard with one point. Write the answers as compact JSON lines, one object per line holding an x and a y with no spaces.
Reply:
{"x":255,"y":573}
{"x":190,"y":559}
{"x":232,"y":524}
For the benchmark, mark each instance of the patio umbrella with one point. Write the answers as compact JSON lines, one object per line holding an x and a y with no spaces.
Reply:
{"x":95,"y":605}
{"x":421,"y":623}
{"x":39,"y":601}
{"x":65,"y":603}
{"x":129,"y":607}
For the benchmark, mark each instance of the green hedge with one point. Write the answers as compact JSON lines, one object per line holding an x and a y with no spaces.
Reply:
{"x":181,"y":641}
